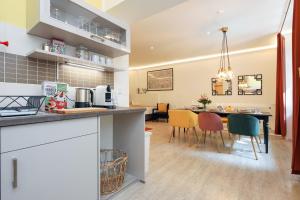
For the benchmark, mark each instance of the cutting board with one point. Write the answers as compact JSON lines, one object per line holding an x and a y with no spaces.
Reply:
{"x":80,"y":110}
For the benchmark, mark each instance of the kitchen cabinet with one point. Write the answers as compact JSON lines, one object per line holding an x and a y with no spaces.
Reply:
{"x":78,"y":23}
{"x":53,"y":160}
{"x":61,"y":170}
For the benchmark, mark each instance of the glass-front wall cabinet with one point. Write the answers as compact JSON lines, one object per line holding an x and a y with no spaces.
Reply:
{"x":75,"y":15}
{"x":78,"y":24}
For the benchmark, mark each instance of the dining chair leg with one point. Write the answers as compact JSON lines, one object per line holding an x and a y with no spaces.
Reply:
{"x":259,"y":139}
{"x":232,"y":141}
{"x":188,"y":134}
{"x":204,"y":136}
{"x":257,"y":144}
{"x":172,"y":134}
{"x":178,"y":134}
{"x":222,"y":138}
{"x":217,"y":143}
{"x":253,"y":148}
{"x":196,"y":134}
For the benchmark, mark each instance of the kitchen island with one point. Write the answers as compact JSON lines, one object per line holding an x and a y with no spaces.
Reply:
{"x":53,"y":156}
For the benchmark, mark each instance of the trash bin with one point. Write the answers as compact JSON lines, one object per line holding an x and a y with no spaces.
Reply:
{"x":148,"y":134}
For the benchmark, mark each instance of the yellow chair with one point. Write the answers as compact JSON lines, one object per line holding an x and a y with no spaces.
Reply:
{"x":183,"y":119}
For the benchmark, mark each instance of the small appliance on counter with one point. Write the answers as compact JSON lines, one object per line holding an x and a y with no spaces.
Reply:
{"x":84,"y":98}
{"x":104,"y":97}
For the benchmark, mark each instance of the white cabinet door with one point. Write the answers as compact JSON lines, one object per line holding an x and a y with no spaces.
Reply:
{"x":65,"y":170}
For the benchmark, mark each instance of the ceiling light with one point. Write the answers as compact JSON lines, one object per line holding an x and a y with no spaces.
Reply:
{"x":204,"y":57}
{"x":151,"y":48}
{"x":225,"y":71}
{"x":208,"y":33}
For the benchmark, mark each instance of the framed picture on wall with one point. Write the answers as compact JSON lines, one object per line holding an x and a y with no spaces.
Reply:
{"x":221,"y":87}
{"x":250,"y":84}
{"x":160,"y":80}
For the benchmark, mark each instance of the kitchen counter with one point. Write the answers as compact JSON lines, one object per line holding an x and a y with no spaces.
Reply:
{"x":49,"y":117}
{"x":67,"y":147}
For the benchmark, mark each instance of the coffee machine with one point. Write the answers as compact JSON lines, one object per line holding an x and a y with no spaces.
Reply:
{"x":104,"y":97}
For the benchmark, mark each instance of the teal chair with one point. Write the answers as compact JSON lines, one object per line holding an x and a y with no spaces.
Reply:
{"x":241,"y":124}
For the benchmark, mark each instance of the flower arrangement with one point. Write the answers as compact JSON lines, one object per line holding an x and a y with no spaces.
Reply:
{"x":204,"y":100}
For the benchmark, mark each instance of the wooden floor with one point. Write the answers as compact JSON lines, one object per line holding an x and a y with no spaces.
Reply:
{"x":180,"y":172}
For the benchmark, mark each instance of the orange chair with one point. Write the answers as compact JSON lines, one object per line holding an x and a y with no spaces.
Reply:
{"x":161,"y":111}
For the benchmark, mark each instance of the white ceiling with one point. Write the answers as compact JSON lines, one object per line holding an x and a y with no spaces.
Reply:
{"x":180,"y":31}
{"x":135,"y":10}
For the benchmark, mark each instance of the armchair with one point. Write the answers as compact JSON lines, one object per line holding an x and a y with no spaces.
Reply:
{"x":161,"y":111}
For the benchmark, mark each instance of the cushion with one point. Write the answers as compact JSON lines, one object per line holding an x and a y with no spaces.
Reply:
{"x":162,"y":107}
{"x":224,"y":120}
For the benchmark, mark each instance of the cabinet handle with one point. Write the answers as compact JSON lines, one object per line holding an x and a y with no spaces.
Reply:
{"x":15,"y":173}
{"x":98,"y":38}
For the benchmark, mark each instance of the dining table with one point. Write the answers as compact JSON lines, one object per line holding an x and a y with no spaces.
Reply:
{"x":261,"y":116}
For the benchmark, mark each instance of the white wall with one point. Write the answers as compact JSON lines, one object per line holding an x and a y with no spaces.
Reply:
{"x":19,"y":41}
{"x":121,"y":80}
{"x":289,"y":85}
{"x":192,"y":79}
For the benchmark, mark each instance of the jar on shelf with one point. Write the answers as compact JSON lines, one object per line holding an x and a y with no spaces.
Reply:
{"x":82,"y":52}
{"x":101,"y":59}
{"x":116,"y":36}
{"x":46,"y":46}
{"x":108,"y":34}
{"x":94,"y":57}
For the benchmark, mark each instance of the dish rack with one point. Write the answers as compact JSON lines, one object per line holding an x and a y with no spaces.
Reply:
{"x":20,"y":105}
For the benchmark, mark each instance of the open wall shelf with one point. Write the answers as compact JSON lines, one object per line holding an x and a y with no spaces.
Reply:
{"x":63,"y":59}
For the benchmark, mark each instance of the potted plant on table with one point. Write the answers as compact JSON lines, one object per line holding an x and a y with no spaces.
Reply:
{"x":204,"y":100}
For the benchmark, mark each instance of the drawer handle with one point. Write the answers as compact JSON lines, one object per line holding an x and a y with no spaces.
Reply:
{"x":98,"y":38}
{"x":15,"y":173}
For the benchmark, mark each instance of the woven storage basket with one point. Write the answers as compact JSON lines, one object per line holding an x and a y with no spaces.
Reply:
{"x":113,"y":167}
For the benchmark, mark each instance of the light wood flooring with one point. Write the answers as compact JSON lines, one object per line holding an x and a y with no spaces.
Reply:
{"x":199,"y":172}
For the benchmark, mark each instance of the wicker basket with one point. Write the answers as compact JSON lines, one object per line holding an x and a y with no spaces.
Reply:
{"x":113,"y":167}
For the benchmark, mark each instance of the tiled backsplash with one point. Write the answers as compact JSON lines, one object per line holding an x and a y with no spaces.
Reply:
{"x":20,"y":69}
{"x":79,"y":77}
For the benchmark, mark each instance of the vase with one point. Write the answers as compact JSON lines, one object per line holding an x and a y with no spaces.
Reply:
{"x":204,"y":106}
